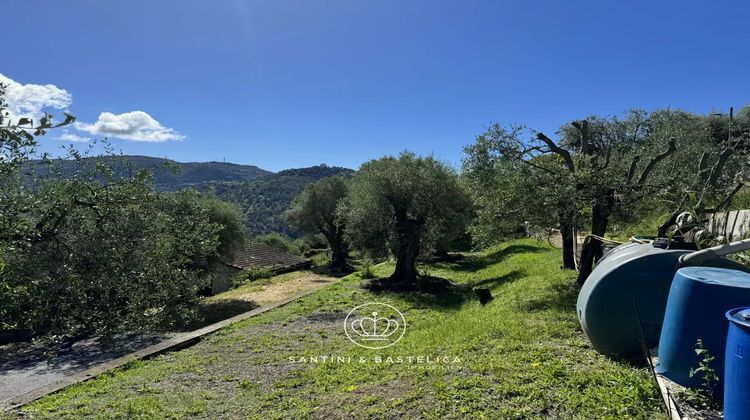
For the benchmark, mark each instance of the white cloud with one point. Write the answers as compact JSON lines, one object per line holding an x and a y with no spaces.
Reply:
{"x":135,"y":125}
{"x":68,"y":136}
{"x":28,"y":100}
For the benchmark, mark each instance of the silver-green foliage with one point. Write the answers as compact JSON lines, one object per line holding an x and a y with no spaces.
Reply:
{"x":405,"y":206}
{"x":314,"y":211}
{"x":95,"y":253}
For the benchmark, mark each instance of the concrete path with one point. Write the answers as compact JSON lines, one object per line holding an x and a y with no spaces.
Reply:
{"x":25,"y":367}
{"x":29,"y":371}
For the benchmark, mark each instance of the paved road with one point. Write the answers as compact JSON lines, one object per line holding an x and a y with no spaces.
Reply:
{"x":24,"y":367}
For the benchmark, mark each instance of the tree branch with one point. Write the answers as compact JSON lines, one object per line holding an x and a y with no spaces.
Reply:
{"x":539,"y":167}
{"x":703,"y":165}
{"x":633,"y":166}
{"x":607,"y":158}
{"x":583,"y":130}
{"x":656,"y":159}
{"x":564,"y":154}
{"x":728,"y":199}
{"x":719,"y":166}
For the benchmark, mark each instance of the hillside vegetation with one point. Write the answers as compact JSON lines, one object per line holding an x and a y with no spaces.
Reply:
{"x":261,"y":195}
{"x":168,"y":174}
{"x":264,"y":200}
{"x":521,"y":355}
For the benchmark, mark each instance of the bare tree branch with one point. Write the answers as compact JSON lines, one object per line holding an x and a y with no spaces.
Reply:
{"x":564,"y":154}
{"x":656,"y":159}
{"x":728,"y":199}
{"x":703,"y":165}
{"x":633,"y":166}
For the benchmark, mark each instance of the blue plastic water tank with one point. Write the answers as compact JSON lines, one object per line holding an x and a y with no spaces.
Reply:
{"x":698,"y":301}
{"x":737,"y":366}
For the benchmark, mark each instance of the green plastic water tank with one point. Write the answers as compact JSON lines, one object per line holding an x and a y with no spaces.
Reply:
{"x":631,"y":272}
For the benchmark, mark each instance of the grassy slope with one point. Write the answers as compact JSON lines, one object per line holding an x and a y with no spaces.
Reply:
{"x":521,"y":355}
{"x":256,"y":293}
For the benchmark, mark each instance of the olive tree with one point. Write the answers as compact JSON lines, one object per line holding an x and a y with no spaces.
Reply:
{"x":95,"y":252}
{"x":17,"y":144}
{"x":510,"y":190}
{"x":314,"y":211}
{"x":596,"y":166}
{"x":404,"y":206}
{"x":230,"y":219}
{"x":719,"y":169}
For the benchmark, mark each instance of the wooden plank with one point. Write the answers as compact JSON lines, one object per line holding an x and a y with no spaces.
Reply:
{"x":176,"y":343}
{"x":673,"y":411}
{"x":734,"y":225}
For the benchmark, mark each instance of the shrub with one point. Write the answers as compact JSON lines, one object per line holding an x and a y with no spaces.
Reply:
{"x":108,"y":257}
{"x":309,"y":245}
{"x":278,"y":240}
{"x":365,"y":270}
{"x":91,"y":252}
{"x":251,"y":274}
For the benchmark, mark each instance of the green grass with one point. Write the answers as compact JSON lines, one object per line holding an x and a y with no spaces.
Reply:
{"x":258,"y":285}
{"x":522,"y":355}
{"x":319,"y":259}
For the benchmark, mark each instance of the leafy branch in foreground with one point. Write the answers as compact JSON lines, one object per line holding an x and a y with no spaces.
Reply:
{"x":96,"y":253}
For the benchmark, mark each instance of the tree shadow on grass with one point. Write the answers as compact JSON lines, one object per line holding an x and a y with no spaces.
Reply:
{"x":214,"y":311}
{"x":476,"y":263}
{"x":443,"y":301}
{"x":427,"y":292}
{"x":328,"y":270}
{"x":500,"y":280}
{"x":438,"y":293}
{"x":562,"y":297}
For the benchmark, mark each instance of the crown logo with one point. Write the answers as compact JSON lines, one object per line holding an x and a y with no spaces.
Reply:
{"x":375,"y":328}
{"x":375,"y":325}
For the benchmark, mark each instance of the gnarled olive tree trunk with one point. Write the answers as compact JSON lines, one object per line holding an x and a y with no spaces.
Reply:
{"x":568,"y":219}
{"x":339,"y":249}
{"x":592,"y":249}
{"x":409,"y":232}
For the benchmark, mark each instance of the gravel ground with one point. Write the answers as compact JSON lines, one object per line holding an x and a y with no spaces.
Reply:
{"x":25,"y":367}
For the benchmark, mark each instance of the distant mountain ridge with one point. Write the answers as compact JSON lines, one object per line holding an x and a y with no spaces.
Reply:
{"x":169,"y":174}
{"x":262,"y":195}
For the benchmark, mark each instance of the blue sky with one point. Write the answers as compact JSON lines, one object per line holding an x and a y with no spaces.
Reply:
{"x":283,"y":84}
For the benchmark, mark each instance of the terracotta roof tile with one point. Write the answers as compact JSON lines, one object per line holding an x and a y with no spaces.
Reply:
{"x":258,"y":254}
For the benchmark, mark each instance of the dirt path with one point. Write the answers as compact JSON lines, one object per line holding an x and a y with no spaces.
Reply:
{"x":282,"y":287}
{"x":25,"y":367}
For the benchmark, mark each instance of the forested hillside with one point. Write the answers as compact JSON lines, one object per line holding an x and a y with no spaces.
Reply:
{"x":264,"y":199}
{"x":262,"y":195}
{"x":169,"y":175}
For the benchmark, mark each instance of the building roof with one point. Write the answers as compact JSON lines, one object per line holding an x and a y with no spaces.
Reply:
{"x":258,"y":254}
